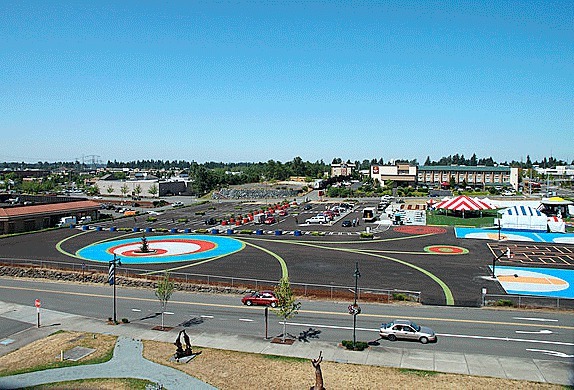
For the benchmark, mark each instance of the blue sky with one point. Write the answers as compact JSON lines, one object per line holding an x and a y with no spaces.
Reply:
{"x":253,"y":81}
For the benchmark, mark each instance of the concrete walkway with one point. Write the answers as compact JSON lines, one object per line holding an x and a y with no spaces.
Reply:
{"x":127,"y":362}
{"x":134,"y":366}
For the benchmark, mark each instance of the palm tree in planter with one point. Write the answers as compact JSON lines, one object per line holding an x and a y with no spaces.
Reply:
{"x":287,"y":307}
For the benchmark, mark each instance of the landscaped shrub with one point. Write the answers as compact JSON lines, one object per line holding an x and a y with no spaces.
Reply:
{"x":151,"y":219}
{"x":359,"y":345}
{"x":182,"y":220}
{"x":504,"y":302}
{"x":316,"y":234}
{"x":201,"y":231}
{"x":366,"y":235}
{"x":200,"y":213}
{"x":400,"y":297}
{"x":246,"y":231}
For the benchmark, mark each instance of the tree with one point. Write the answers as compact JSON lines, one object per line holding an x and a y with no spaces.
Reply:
{"x":163,"y":292}
{"x":110,"y":189}
{"x":286,"y":305}
{"x":124,"y":190}
{"x":153,"y":190}
{"x":138,"y":191}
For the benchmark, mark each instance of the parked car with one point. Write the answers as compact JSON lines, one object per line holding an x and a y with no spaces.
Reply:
{"x":210,"y":221}
{"x":264,"y":298}
{"x":408,"y":330}
{"x":307,"y":207}
{"x":346,"y":223}
{"x":282,"y":213}
{"x":269,"y":220}
{"x":317,"y":219}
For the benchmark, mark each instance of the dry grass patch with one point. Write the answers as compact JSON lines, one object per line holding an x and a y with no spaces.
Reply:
{"x":96,"y":384}
{"x":228,"y":370}
{"x":45,"y":353}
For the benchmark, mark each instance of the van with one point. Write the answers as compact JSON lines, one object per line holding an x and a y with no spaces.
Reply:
{"x":317,"y":219}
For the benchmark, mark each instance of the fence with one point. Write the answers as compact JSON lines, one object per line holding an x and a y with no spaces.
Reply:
{"x":527,"y":301}
{"x":305,"y":289}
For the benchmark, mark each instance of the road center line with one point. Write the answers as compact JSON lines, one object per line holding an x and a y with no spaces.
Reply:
{"x":438,"y":334}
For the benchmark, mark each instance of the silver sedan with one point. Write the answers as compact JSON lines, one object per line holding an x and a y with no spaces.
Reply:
{"x":406,"y":329}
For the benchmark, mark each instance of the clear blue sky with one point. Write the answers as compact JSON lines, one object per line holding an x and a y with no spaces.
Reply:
{"x":253,"y":81}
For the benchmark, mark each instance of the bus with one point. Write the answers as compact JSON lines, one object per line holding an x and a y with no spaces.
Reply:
{"x":369,"y":214}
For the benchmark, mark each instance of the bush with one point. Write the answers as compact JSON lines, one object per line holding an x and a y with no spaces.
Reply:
{"x":201,"y":231}
{"x":504,"y":302}
{"x":183,"y":220}
{"x":359,"y":345}
{"x":400,"y":297}
{"x":125,"y":321}
{"x":151,"y":219}
{"x":200,"y":213}
{"x":246,"y":231}
{"x":316,"y":234}
{"x":367,"y":235}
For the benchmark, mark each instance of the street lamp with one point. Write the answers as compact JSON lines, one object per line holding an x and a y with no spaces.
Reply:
{"x":112,"y":279}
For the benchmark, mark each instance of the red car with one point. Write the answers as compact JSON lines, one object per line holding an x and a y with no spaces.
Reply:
{"x":269,"y":220}
{"x":264,"y":298}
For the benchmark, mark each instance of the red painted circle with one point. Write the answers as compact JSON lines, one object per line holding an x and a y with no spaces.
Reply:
{"x":419,"y":230}
{"x":446,"y":249}
{"x":203,"y":247}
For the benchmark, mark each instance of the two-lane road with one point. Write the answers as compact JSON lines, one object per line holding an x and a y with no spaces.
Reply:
{"x":511,"y":333}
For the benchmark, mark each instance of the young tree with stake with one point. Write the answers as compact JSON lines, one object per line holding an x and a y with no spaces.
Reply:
{"x":163,"y":292}
{"x":286,"y":305}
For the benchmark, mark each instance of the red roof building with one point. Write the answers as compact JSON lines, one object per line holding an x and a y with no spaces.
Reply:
{"x":19,"y":219}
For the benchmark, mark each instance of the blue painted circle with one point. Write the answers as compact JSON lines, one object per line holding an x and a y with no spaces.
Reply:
{"x":189,"y":248}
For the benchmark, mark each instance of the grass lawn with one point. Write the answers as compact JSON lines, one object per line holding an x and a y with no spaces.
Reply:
{"x":438,"y":217}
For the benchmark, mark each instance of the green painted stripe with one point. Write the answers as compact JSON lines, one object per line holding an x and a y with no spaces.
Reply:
{"x":284,"y":271}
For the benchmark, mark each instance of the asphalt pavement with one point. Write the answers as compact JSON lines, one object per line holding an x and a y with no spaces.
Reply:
{"x":526,"y":369}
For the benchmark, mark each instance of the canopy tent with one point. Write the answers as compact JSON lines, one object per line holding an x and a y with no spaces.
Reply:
{"x":524,"y":218}
{"x":463,"y":203}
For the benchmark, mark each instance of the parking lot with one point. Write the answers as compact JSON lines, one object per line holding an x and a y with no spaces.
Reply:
{"x":446,"y":270}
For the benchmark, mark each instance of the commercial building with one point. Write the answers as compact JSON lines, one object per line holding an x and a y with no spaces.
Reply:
{"x":18,"y":219}
{"x":342,"y":169}
{"x":472,"y":176}
{"x":401,"y":174}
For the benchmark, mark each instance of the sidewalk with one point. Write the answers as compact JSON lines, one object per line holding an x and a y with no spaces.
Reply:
{"x":458,"y":363}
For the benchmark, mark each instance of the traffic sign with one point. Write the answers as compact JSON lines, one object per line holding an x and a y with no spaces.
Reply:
{"x":37,"y":303}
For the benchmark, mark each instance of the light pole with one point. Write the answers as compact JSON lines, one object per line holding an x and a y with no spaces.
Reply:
{"x":356,"y":309}
{"x":112,"y":279}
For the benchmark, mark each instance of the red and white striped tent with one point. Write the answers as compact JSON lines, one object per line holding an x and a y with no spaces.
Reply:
{"x":463,"y":203}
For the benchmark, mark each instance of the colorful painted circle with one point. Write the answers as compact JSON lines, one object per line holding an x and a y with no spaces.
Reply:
{"x":446,"y":250}
{"x":162,"y":249}
{"x":420,"y":230}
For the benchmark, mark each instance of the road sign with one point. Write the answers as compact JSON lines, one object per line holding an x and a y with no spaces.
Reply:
{"x":37,"y":303}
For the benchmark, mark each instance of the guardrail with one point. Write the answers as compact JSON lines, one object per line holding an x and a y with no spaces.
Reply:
{"x":305,"y":289}
{"x":527,"y":301}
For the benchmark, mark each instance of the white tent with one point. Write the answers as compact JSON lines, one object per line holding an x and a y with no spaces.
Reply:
{"x":523,"y":217}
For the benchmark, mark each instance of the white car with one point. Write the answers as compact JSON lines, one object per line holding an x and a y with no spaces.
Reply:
{"x":317,"y":219}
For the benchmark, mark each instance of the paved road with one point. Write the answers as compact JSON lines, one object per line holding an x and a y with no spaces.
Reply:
{"x":471,"y":341}
{"x":504,"y":333}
